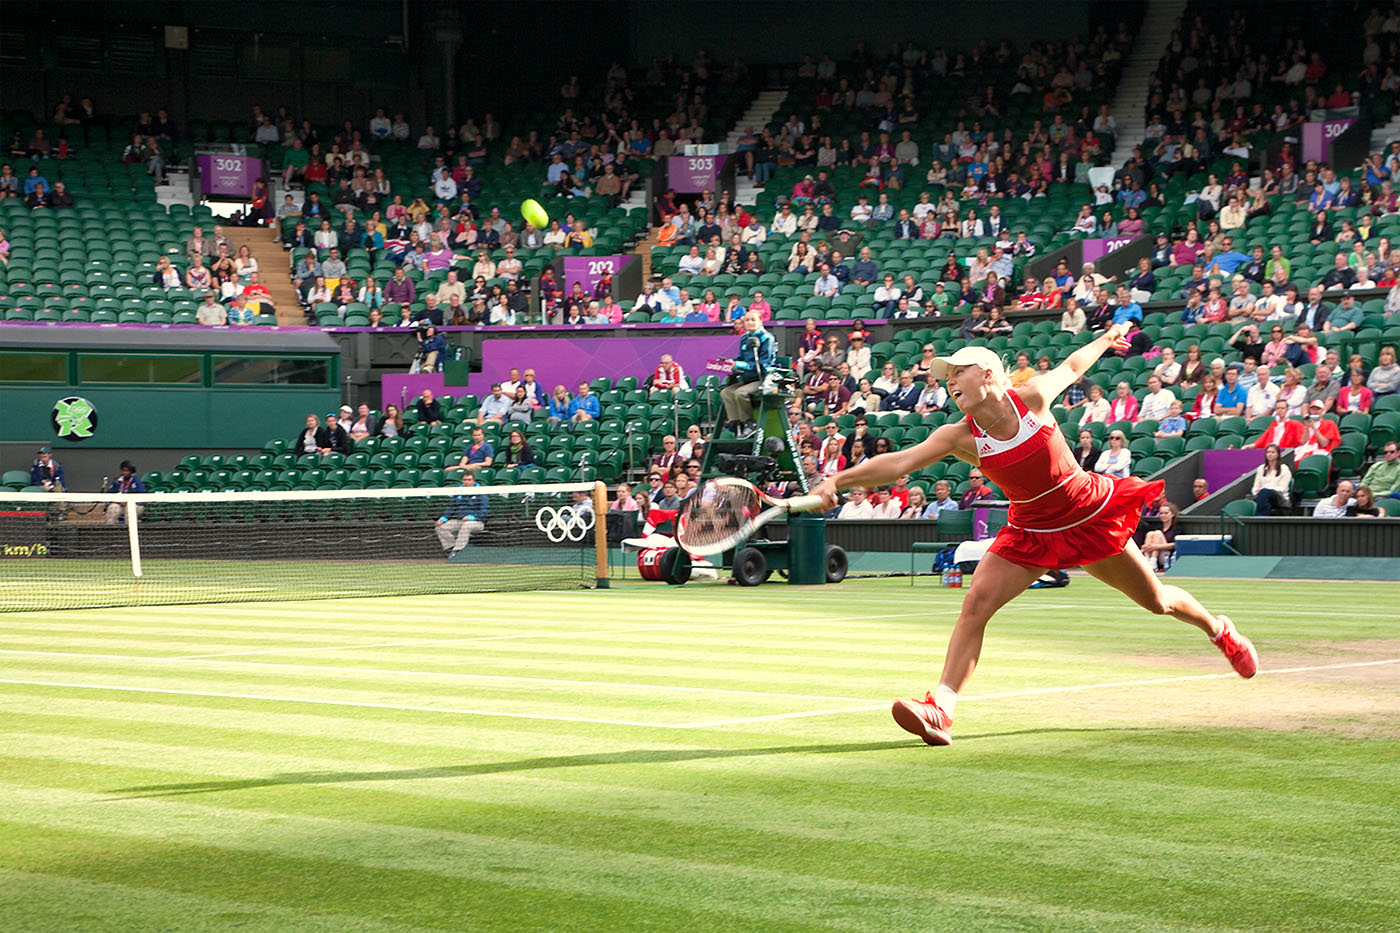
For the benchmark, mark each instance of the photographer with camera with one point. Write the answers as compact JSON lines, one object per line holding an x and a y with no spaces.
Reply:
{"x":1320,"y":436}
{"x":432,"y":350}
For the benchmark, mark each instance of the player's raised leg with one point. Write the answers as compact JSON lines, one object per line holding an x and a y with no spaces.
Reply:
{"x":996,"y":583}
{"x":1130,"y":574}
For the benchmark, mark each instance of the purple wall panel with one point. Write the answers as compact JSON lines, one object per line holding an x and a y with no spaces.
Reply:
{"x":567,"y":361}
{"x":1223,"y":467}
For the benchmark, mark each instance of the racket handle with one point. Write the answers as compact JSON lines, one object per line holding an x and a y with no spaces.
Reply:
{"x":804,"y":503}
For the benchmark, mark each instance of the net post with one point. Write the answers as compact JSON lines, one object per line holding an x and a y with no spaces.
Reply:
{"x":600,"y":533}
{"x":133,"y":536}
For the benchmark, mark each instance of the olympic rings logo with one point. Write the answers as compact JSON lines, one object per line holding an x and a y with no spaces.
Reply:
{"x":564,"y":523}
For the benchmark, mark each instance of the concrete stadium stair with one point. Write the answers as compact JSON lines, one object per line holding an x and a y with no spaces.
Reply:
{"x":273,"y":272}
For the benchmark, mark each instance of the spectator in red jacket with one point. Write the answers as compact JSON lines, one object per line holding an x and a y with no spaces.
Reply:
{"x":669,"y":377}
{"x":1282,"y":431}
{"x":1320,"y":436}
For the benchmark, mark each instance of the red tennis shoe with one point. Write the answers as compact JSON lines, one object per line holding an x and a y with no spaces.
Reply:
{"x":925,"y":719}
{"x":1238,"y":650}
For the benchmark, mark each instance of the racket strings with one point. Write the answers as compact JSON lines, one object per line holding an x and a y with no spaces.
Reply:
{"x":717,"y":513}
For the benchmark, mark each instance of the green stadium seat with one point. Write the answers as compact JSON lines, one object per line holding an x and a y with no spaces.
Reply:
{"x":1147,"y":466}
{"x":1356,"y":421}
{"x":1169,"y":447}
{"x":1234,"y":424}
{"x":955,"y":525}
{"x":1350,"y":454}
{"x":1385,"y":427}
{"x":1202,"y":426}
{"x":1311,"y":476}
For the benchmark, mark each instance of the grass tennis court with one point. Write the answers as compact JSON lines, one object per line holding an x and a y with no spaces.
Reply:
{"x":701,"y":758}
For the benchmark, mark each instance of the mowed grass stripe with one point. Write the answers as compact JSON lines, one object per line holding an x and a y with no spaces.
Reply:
{"x":449,"y":676}
{"x":776,"y":882}
{"x":692,"y":777}
{"x":1118,"y":808}
{"x":388,"y":738}
{"x":927,"y":631}
{"x":31,"y":901}
{"x":565,"y":697}
{"x":224,"y":633}
{"x":602,"y":688}
{"x":403,"y":894}
{"x":311,"y":682}
{"x":1359,"y":783}
{"x":1126,"y":864}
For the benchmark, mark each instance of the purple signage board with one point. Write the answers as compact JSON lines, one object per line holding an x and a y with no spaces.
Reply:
{"x":1318,"y":136}
{"x":587,"y":270}
{"x":567,"y":361}
{"x":225,"y":175}
{"x":1222,"y":467}
{"x":694,"y":174}
{"x":1094,"y":250}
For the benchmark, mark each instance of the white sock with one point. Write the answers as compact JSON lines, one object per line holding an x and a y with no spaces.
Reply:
{"x":1224,"y":627}
{"x":946,"y":698}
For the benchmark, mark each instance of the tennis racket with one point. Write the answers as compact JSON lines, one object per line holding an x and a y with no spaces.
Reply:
{"x":725,"y":511}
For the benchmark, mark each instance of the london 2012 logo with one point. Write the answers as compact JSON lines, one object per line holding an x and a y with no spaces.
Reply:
{"x":74,"y":418}
{"x":564,"y":523}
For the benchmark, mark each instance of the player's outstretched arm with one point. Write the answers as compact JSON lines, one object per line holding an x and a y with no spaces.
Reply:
{"x":1040,"y":391}
{"x":886,"y":468}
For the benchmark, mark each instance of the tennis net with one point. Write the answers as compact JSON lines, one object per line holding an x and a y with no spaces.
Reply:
{"x":87,"y":550}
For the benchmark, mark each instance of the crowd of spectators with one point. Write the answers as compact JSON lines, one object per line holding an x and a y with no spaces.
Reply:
{"x":1228,"y":280}
{"x":1216,"y":80}
{"x":34,"y":189}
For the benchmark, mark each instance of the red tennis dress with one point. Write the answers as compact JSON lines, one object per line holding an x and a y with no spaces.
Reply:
{"x":1061,"y":516}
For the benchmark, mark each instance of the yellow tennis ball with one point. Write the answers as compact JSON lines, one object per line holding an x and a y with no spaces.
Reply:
{"x":535,"y":213}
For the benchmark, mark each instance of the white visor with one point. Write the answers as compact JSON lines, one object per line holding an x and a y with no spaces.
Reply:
{"x":968,"y":356}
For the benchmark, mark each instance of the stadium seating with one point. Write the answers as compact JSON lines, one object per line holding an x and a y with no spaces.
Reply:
{"x":94,"y":264}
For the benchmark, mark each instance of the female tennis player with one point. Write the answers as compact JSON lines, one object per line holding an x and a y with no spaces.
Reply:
{"x":1061,"y":516}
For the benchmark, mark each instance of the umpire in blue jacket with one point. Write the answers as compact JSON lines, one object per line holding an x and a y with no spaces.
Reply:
{"x":757,"y":354}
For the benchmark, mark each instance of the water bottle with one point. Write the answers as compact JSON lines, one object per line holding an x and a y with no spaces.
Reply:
{"x":957,"y":577}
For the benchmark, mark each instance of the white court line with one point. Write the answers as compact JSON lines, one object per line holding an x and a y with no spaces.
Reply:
{"x":450,"y":675}
{"x":316,"y":702}
{"x":688,"y":725}
{"x":1041,"y":691}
